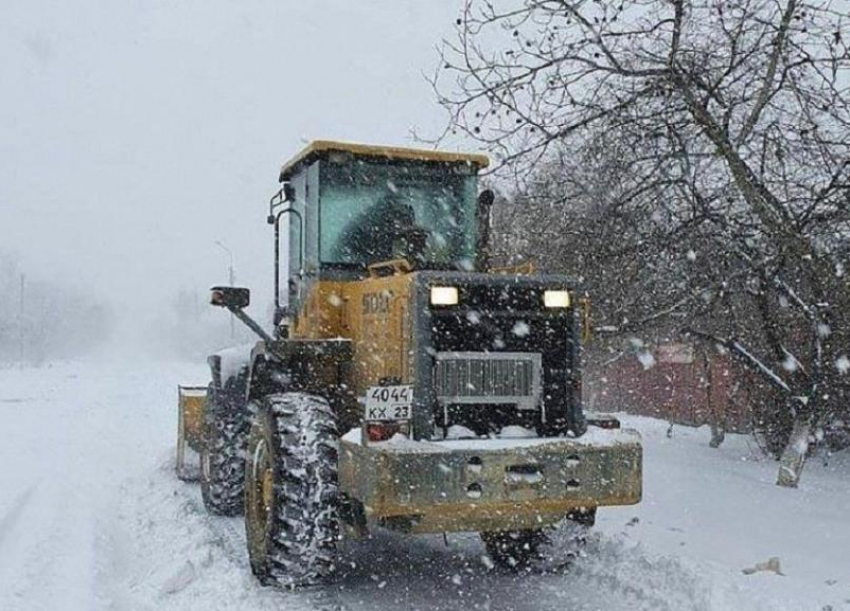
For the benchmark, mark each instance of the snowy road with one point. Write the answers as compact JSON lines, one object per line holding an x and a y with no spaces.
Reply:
{"x":92,"y":518}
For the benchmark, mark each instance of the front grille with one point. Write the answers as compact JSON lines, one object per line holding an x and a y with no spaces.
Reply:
{"x":488,"y":377}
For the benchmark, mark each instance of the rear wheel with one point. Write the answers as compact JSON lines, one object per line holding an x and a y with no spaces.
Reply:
{"x":517,"y":549}
{"x":224,"y":431}
{"x":513,"y":549}
{"x":291,"y":490}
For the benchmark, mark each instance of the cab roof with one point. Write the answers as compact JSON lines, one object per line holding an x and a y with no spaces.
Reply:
{"x":321,"y":148}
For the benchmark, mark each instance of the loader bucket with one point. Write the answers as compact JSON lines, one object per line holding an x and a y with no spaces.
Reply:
{"x":190,"y":405}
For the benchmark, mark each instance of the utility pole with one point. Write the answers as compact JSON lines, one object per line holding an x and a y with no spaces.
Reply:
{"x":21,"y":336}
{"x":231,"y":279}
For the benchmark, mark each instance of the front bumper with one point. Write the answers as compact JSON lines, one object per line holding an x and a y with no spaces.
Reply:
{"x":489,"y":485}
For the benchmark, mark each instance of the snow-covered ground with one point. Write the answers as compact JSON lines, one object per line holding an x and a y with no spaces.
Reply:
{"x":92,"y":518}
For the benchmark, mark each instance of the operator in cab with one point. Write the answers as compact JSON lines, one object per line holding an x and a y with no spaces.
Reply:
{"x":386,"y":230}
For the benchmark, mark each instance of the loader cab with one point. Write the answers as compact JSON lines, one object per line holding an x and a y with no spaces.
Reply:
{"x":355,"y":206}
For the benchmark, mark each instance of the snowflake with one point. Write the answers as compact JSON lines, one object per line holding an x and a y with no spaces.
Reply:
{"x":646,"y":359}
{"x":790,"y":363}
{"x":467,"y":265}
{"x":521,"y":329}
{"x":842,"y":364}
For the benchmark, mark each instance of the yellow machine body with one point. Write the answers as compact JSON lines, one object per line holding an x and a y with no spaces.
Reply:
{"x":437,"y":487}
{"x":190,"y":407}
{"x":374,"y":314}
{"x":356,"y":324}
{"x":191,"y":400}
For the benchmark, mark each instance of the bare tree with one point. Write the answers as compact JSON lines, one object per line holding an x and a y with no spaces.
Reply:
{"x":733,"y":118}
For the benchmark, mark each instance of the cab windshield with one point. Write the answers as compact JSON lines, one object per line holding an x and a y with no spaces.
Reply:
{"x":372,"y":211}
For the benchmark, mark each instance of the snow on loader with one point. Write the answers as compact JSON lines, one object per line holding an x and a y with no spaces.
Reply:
{"x":406,"y":384}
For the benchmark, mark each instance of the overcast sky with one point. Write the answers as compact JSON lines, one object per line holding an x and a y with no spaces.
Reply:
{"x":134,"y":134}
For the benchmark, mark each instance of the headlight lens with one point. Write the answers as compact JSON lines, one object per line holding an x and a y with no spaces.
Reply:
{"x":444,"y":295}
{"x":556,"y":299}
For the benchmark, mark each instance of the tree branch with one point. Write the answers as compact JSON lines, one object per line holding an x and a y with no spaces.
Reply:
{"x":764,"y":94}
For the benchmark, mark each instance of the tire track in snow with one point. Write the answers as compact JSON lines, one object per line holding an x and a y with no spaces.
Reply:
{"x":13,"y":515}
{"x":391,"y":571}
{"x":54,"y":556}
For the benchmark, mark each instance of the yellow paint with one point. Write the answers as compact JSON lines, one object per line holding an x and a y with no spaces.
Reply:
{"x":374,"y":314}
{"x":427,"y":492}
{"x":191,"y":404}
{"x":489,"y":515}
{"x":318,"y":147}
{"x":394,"y":266}
{"x":520,"y":269}
{"x":268,"y":489}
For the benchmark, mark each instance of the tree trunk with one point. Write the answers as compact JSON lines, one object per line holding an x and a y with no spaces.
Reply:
{"x":794,"y":456}
{"x":718,"y":435}
{"x":716,"y":412}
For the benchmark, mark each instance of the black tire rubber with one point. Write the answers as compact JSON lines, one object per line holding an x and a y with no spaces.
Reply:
{"x":514,"y":549}
{"x":225,"y":433}
{"x":292,"y":526}
{"x":583,"y":517}
{"x":519,"y":549}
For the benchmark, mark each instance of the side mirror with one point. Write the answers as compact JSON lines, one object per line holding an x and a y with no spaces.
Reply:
{"x":486,"y":198}
{"x":230,"y":297}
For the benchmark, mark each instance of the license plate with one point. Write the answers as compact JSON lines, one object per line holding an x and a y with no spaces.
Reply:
{"x":388,"y":403}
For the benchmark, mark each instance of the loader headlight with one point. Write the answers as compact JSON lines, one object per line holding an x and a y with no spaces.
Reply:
{"x":444,"y":295}
{"x":556,"y":299}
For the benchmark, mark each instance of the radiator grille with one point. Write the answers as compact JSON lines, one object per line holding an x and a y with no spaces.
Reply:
{"x":498,"y":377}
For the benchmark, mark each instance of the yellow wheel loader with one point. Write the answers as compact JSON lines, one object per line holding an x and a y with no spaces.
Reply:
{"x":405,"y":384}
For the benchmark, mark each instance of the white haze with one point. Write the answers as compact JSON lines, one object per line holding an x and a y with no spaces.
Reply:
{"x":134,"y":134}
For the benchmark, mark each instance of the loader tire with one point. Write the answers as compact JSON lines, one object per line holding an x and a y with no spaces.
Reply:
{"x":514,"y":549}
{"x":291,"y":490}
{"x":224,"y":434}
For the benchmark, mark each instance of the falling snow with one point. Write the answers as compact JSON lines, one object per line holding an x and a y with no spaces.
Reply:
{"x":646,"y":359}
{"x":521,"y":329}
{"x":790,"y":363}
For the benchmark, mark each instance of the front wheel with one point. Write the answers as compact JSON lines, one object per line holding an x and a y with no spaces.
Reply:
{"x":291,"y":490}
